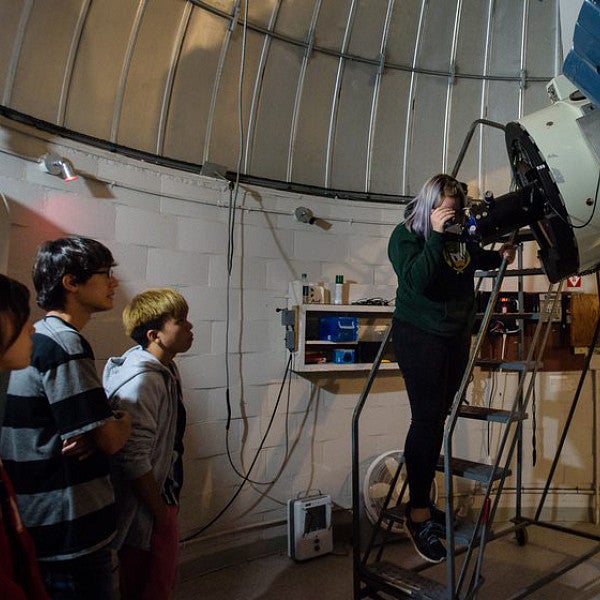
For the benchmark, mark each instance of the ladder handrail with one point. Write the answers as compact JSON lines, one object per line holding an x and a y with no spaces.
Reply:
{"x":356,"y":562}
{"x":520,"y":403}
{"x":452,"y":421}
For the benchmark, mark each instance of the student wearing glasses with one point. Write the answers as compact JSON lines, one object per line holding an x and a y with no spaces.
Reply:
{"x":59,"y":428}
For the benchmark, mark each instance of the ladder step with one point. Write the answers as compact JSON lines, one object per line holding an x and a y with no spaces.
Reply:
{"x":510,"y":273}
{"x":402,"y":583}
{"x":464,"y":531}
{"x":488,"y":414}
{"x":515,"y":365}
{"x":474,"y":470}
{"x":530,"y":316}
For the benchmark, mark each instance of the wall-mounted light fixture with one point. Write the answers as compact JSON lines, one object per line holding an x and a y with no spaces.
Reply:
{"x":57,"y":165}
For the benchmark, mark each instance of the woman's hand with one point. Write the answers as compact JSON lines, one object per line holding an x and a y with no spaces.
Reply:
{"x":439,"y":216}
{"x":509,"y":252}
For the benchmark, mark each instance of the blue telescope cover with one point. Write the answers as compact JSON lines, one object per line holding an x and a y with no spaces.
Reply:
{"x":582,"y":65}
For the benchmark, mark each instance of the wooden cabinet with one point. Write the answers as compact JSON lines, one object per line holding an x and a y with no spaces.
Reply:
{"x":314,"y":354}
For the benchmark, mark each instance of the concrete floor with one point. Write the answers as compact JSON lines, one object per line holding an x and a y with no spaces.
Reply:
{"x":508,"y":569}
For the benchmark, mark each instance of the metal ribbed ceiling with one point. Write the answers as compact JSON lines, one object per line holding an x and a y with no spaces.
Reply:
{"x":365,"y":95}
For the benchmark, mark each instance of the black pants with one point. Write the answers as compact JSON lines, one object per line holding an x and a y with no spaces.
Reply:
{"x":432,"y":367}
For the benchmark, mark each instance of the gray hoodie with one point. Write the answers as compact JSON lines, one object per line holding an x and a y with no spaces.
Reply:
{"x":140,"y":384}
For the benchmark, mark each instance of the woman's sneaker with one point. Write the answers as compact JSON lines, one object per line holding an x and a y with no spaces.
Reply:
{"x":438,"y":516}
{"x":425,"y":537}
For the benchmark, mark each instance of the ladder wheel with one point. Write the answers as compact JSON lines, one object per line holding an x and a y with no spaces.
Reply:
{"x":521,"y":536}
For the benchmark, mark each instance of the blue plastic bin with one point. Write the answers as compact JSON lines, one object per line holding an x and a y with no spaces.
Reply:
{"x":338,"y":329}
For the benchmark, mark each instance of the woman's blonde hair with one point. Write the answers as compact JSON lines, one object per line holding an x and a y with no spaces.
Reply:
{"x":150,"y":309}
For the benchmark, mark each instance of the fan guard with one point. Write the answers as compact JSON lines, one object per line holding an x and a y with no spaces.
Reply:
{"x":376,"y":486}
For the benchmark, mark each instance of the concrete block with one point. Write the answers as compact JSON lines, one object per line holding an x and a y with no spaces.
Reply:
{"x":212,"y":209}
{"x":204,"y":371}
{"x":320,"y":246}
{"x":12,"y":167}
{"x":384,"y":276}
{"x":262,"y":367}
{"x":267,"y":243}
{"x":144,"y":178}
{"x":80,"y":215}
{"x":195,"y":188}
{"x":131,"y":260}
{"x":203,"y":440}
{"x":208,"y":404}
{"x":302,"y":460}
{"x":169,"y":267}
{"x":106,"y":335}
{"x":246,"y":272}
{"x":134,"y":198}
{"x":25,"y":201}
{"x":245,"y":336}
{"x":210,"y":303}
{"x":369,"y":250}
{"x":260,"y":304}
{"x":199,"y":235}
{"x":144,"y":227}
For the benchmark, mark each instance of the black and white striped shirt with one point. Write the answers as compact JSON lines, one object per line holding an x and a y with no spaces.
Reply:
{"x":67,"y":504}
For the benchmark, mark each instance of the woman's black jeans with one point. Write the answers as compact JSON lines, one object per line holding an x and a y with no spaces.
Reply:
{"x":432,"y":367}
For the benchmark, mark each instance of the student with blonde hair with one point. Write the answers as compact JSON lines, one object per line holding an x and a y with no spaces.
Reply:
{"x":147,"y":472}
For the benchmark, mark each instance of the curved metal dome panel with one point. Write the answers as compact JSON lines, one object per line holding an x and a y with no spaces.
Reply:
{"x":362,"y":95}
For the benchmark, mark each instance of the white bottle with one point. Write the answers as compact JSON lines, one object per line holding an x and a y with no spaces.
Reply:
{"x":338,"y":290}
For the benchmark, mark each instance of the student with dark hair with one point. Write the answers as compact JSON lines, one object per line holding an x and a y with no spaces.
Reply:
{"x":59,"y":427}
{"x":431,"y":334}
{"x":148,"y":472}
{"x":20,"y":577}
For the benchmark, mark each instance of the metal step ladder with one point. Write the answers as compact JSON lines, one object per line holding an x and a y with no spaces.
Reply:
{"x":374,"y":576}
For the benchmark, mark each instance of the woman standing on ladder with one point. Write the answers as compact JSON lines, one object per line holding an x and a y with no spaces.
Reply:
{"x":431,"y":334}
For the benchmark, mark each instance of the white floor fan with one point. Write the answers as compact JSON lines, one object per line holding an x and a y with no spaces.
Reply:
{"x":376,"y":485}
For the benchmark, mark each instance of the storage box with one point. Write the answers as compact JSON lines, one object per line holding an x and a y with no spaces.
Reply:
{"x":335,"y":328}
{"x":343,"y":356}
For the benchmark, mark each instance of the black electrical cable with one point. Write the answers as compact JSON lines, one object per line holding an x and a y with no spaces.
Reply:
{"x":246,"y":477}
{"x":533,"y":426}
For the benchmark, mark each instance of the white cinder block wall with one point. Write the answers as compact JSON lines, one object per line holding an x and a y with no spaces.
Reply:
{"x":168,"y":228}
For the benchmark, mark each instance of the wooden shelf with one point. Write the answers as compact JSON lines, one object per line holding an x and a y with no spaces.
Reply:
{"x":372,"y":324}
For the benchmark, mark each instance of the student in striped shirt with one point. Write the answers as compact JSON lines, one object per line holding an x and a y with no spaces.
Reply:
{"x":59,"y":429}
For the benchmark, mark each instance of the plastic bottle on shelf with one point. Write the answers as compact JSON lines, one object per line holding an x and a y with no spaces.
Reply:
{"x":305,"y":289}
{"x":338,"y":290}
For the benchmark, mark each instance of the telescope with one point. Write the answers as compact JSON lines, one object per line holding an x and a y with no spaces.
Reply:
{"x":554,"y":155}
